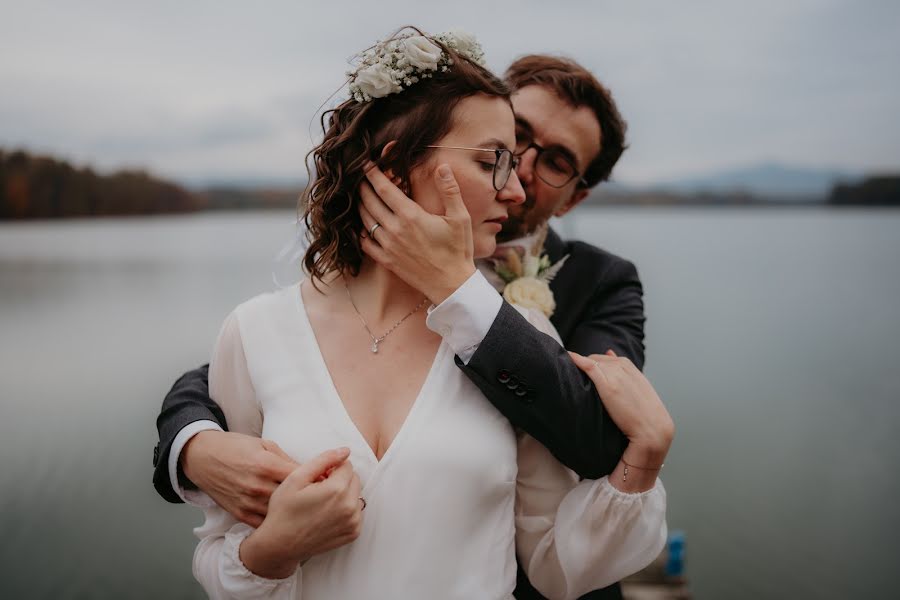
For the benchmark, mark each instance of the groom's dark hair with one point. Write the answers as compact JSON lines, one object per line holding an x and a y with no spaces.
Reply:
{"x":578,"y":87}
{"x":357,"y":132}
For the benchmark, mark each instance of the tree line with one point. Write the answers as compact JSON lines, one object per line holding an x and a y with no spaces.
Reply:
{"x":883,"y":190}
{"x":40,"y":187}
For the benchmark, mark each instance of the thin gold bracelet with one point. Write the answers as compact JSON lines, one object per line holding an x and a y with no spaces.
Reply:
{"x":625,"y":471}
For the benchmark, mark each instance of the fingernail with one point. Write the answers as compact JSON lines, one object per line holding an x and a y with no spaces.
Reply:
{"x":444,"y":172}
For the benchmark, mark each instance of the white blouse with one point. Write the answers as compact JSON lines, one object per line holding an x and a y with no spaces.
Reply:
{"x":456,"y":497}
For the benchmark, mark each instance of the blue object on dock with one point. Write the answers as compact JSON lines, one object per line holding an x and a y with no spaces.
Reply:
{"x":675,"y":560}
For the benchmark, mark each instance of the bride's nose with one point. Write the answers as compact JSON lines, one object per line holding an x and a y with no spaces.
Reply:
{"x":512,"y":192}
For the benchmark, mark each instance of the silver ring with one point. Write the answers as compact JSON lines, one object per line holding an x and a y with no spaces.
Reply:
{"x":364,"y":504}
{"x":374,"y":227}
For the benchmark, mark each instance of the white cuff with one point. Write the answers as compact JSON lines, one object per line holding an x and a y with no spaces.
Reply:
{"x":194,"y":497}
{"x":466,"y":316}
{"x":240,"y":581}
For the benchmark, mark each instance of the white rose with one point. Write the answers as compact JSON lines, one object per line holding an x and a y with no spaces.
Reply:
{"x":375,"y":81}
{"x":421,"y":52}
{"x":529,"y":292}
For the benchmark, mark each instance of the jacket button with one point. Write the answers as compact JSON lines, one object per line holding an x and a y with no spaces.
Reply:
{"x":155,"y":454}
{"x":513,"y":383}
{"x":503,"y":376}
{"x":521,"y":392}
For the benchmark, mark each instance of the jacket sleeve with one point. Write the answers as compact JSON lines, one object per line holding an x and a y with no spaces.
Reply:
{"x":528,"y":377}
{"x":614,"y":317}
{"x":188,"y":401}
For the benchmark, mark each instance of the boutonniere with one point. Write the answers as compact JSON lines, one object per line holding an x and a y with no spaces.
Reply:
{"x":528,"y":277}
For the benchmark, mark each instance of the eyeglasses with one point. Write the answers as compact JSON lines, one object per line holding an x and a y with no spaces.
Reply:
{"x":503,"y":165}
{"x":554,"y":167}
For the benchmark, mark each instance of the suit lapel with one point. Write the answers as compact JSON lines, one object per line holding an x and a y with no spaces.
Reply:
{"x":562,"y":285}
{"x":554,"y":246}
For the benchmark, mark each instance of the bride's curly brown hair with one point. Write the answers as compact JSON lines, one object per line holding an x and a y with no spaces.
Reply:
{"x":356,"y":133}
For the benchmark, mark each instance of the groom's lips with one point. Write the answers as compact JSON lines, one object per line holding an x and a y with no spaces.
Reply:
{"x":498,"y":220}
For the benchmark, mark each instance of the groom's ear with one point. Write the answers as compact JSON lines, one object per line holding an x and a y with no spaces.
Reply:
{"x":388,"y":172}
{"x":577,"y":196}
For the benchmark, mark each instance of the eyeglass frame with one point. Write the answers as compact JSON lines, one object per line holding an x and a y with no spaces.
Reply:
{"x":498,"y":152}
{"x":540,"y":150}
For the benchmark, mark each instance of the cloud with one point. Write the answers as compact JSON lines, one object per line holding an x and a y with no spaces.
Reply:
{"x":202,"y":88}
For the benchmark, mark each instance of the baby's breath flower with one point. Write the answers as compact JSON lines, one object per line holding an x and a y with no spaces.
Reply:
{"x":390,"y":66}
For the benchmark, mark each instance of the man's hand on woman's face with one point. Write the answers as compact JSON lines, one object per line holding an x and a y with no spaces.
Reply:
{"x":432,"y":253}
{"x":238,"y":471}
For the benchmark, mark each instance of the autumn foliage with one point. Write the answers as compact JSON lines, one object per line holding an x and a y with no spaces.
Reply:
{"x":37,"y":187}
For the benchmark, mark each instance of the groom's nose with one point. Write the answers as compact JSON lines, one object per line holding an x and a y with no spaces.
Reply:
{"x":525,"y":170}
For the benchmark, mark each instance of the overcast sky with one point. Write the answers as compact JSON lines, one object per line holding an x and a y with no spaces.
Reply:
{"x":228,"y":90}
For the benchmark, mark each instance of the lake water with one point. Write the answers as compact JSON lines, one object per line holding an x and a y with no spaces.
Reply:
{"x":772,"y":335}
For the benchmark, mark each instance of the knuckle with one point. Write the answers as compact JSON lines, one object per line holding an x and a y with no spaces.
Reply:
{"x":257,"y":490}
{"x":351,"y":507}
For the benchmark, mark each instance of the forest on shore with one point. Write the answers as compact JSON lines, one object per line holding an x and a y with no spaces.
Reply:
{"x":42,"y":187}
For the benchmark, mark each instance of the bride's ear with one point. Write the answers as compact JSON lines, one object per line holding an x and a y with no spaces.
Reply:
{"x":395,"y":179}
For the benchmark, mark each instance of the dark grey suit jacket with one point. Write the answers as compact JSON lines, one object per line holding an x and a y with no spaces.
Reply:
{"x":523,"y":372}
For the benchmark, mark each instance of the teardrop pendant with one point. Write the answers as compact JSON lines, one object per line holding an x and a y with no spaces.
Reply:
{"x":374,"y":346}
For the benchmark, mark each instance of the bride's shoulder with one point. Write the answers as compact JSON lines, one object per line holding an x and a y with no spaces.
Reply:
{"x":269,"y":303}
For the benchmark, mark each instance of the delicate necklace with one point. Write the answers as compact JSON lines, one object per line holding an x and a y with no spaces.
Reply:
{"x":378,"y":340}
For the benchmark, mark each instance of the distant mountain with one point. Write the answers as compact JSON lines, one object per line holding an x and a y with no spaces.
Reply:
{"x":774,"y":180}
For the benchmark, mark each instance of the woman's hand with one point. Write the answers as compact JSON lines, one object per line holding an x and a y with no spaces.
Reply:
{"x":432,"y":253}
{"x":316,"y":509}
{"x":635,"y":407}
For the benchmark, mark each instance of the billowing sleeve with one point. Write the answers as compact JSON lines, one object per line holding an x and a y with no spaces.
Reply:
{"x":217,"y":564}
{"x":574,"y":536}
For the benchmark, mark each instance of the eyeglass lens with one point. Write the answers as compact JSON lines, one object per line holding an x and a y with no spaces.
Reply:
{"x":502,"y":169}
{"x":551,"y":165}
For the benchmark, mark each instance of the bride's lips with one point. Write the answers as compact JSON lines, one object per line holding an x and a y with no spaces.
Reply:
{"x":497,"y":223}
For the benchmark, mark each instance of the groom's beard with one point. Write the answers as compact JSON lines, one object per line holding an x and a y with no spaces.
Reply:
{"x":517,"y":225}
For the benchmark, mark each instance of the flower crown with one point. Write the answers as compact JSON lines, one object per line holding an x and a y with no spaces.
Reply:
{"x":393,"y":65}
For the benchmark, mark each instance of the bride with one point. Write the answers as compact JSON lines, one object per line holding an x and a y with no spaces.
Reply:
{"x":412,"y":484}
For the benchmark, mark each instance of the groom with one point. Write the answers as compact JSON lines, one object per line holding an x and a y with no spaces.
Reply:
{"x":569,"y":135}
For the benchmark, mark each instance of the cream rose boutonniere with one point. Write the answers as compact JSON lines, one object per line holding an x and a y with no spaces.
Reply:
{"x":528,"y":278}
{"x":529,"y":292}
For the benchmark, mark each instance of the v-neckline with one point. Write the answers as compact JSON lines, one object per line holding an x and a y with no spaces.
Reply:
{"x":335,"y":404}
